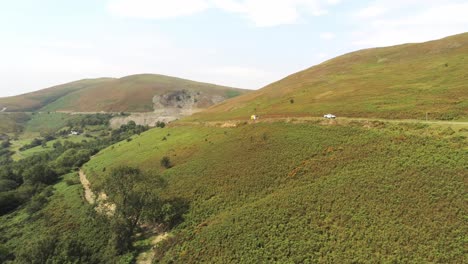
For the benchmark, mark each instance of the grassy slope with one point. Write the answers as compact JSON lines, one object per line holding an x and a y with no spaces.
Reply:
{"x":13,"y":122}
{"x":306,"y":193}
{"x":36,"y":100}
{"x":48,"y":122}
{"x":132,"y":93}
{"x":404,"y":81}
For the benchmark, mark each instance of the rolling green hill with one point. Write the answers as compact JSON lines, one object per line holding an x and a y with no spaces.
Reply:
{"x":306,"y":193}
{"x":36,"y":100}
{"x":130,"y":94}
{"x":405,"y":81}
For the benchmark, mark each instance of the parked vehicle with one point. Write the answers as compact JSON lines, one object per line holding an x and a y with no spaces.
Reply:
{"x":329,"y":116}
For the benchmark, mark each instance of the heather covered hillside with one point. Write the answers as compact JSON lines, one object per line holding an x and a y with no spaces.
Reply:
{"x":305,"y":192}
{"x":399,"y":82}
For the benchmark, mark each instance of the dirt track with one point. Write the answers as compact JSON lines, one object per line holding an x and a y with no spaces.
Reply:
{"x":89,"y":195}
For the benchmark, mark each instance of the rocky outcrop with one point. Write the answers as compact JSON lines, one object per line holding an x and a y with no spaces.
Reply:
{"x":184,"y":100}
{"x":171,"y":106}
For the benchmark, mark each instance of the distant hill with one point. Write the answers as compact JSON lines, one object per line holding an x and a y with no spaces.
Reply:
{"x":404,"y":81}
{"x":35,"y":100}
{"x":137,"y":93}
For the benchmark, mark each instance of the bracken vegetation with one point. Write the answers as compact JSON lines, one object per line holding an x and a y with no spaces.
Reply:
{"x":304,"y":193}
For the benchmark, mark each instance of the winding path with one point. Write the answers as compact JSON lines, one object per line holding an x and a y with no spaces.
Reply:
{"x":89,"y":195}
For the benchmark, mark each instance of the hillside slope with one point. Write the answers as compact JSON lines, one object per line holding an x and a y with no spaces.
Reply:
{"x":305,"y":193}
{"x":137,"y":93}
{"x":38,"y":99}
{"x":405,"y":81}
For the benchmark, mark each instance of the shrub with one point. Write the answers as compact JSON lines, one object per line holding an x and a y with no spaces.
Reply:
{"x":8,"y":202}
{"x":166,"y":162}
{"x":71,"y":182}
{"x":160,"y":124}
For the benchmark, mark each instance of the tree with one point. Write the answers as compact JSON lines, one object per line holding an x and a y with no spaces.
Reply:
{"x":40,"y":173}
{"x":136,"y":199}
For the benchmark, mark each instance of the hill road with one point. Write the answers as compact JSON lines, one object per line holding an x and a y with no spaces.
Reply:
{"x":304,"y":119}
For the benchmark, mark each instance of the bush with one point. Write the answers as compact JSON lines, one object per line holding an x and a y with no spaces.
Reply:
{"x":166,"y":162}
{"x":8,"y":202}
{"x":7,"y":185}
{"x":71,"y":182}
{"x":160,"y":124}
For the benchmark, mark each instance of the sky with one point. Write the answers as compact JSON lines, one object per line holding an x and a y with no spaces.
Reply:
{"x":238,"y":43}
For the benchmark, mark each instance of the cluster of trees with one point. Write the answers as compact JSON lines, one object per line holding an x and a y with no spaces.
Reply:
{"x":74,"y":235}
{"x":20,"y":181}
{"x":26,"y":179}
{"x":126,"y":131}
{"x":34,"y":143}
{"x":90,"y":120}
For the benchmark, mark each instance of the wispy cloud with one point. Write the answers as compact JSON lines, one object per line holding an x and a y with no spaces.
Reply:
{"x":265,"y":13}
{"x":156,"y":9}
{"x":262,"y":13}
{"x":390,"y":24}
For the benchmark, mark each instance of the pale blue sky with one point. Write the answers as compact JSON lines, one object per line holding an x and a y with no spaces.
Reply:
{"x":241,"y":43}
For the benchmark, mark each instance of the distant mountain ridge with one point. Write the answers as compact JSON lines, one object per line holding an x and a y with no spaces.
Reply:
{"x":136,"y":93}
{"x":398,"y":82}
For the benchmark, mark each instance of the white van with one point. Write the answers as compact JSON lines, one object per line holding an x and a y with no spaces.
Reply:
{"x":329,"y":116}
